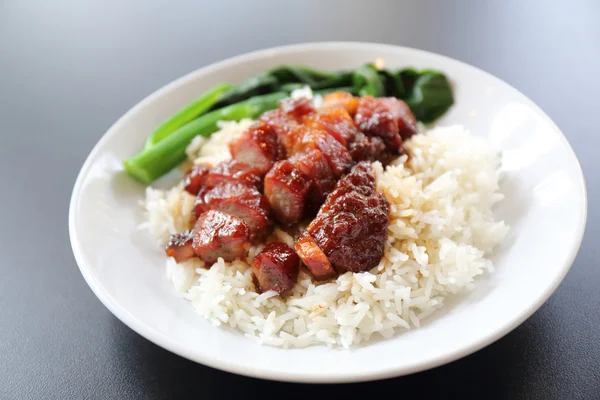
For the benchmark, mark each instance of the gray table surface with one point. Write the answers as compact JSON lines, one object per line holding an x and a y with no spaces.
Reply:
{"x":69,"y":69}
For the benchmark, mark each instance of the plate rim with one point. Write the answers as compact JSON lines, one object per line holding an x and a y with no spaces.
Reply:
{"x":270,"y":374}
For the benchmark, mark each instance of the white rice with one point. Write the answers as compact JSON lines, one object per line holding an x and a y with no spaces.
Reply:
{"x":441,"y":230}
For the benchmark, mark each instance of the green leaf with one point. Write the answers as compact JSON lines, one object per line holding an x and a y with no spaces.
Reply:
{"x":408,"y":76}
{"x":431,"y":96}
{"x":253,"y":86}
{"x":392,"y":83}
{"x":299,"y":74}
{"x":367,"y":82}
{"x":337,"y":80}
{"x":290,"y":87}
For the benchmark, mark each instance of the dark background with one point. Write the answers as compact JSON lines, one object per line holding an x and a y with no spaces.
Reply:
{"x":69,"y":69}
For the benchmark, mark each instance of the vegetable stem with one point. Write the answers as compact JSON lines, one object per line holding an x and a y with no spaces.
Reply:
{"x":188,"y":113}
{"x":253,"y":86}
{"x":340,"y":79}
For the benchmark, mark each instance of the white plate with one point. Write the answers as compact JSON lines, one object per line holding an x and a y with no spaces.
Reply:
{"x":545,"y":206}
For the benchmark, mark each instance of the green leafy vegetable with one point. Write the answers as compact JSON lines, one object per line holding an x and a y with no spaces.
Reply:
{"x":299,"y":74}
{"x":367,"y":81}
{"x":253,"y":86}
{"x":290,"y":87}
{"x":392,"y":83}
{"x":408,"y":76}
{"x":431,"y":96}
{"x":336,"y":80}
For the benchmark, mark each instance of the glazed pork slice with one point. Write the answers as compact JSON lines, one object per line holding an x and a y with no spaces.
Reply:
{"x":407,"y":122}
{"x":282,"y":124}
{"x":335,"y":121}
{"x":258,"y":147}
{"x":307,"y":138}
{"x":374,"y":118}
{"x":297,"y":108}
{"x":276,"y":268}
{"x":313,"y":257}
{"x":301,"y":129}
{"x":217,"y":234}
{"x":341,"y":99}
{"x":244,"y":202}
{"x":286,"y":118}
{"x":322,"y":180}
{"x":180,"y":246}
{"x":194,"y":179}
{"x":286,"y":188}
{"x":371,"y":148}
{"x":233,"y":171}
{"x":351,"y":226}
{"x":299,"y":185}
{"x":387,"y":118}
